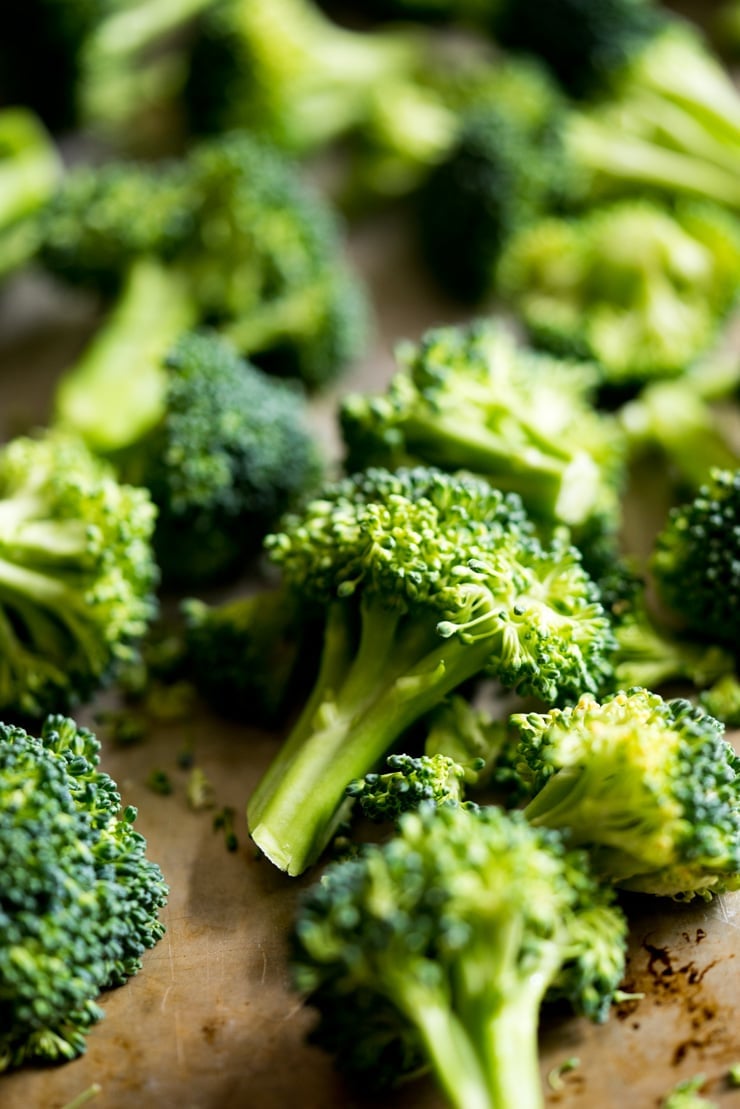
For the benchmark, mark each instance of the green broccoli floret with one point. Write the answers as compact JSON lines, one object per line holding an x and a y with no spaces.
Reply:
{"x":641,"y":291}
{"x":651,"y":787}
{"x":250,"y":657}
{"x":228,"y":238}
{"x":441,"y":946}
{"x":29,"y":171}
{"x":468,"y":398}
{"x":427,"y":580}
{"x":723,"y":700}
{"x":285,"y":71}
{"x":409,"y":781}
{"x":77,"y":573}
{"x":80,"y":898}
{"x":229,"y":455}
{"x":696,"y":562}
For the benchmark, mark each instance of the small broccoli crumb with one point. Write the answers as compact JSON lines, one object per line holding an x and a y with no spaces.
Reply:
{"x":555,"y":1077}
{"x":159,"y":782}
{"x":83,"y":1098}
{"x":733,"y":1075}
{"x":686,"y":1095}
{"x":199,"y":792}
{"x":223,"y":821}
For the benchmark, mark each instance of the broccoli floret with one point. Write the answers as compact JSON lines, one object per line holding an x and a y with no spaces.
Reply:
{"x":639,"y":290}
{"x":285,"y":71}
{"x":80,"y":898}
{"x":409,"y":781}
{"x":29,"y":171}
{"x":468,"y":398}
{"x":427,"y":580}
{"x":77,"y":573}
{"x":442,"y":945}
{"x":650,"y":786}
{"x":723,"y":700}
{"x":696,"y":562}
{"x":230,"y":454}
{"x":249,"y":657}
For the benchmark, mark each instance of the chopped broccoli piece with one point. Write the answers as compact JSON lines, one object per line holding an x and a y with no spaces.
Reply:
{"x":77,"y":573}
{"x":687,"y":1095}
{"x":640,"y":290}
{"x":408,"y":782}
{"x":722,"y":700}
{"x":29,"y":170}
{"x":427,"y":580}
{"x":650,"y":786}
{"x":466,"y":735}
{"x":441,"y":947}
{"x":80,"y":898}
{"x":467,"y":398}
{"x":696,"y":562}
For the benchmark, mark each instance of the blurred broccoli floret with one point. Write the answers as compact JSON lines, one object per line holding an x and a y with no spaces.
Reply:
{"x":80,"y":898}
{"x":696,"y":562}
{"x":723,"y":700}
{"x":468,"y":398}
{"x":229,"y":455}
{"x":639,"y":290}
{"x":651,"y":787}
{"x":439,"y":948}
{"x":427,"y":580}
{"x":77,"y":573}
{"x":29,"y":171}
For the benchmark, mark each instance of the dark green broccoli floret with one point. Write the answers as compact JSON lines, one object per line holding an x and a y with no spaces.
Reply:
{"x":80,"y":899}
{"x":29,"y":170}
{"x":651,"y":787}
{"x":427,"y":580}
{"x":441,"y":946}
{"x":639,"y":290}
{"x":77,"y":572}
{"x":696,"y":562}
{"x":468,"y":398}
{"x":230,"y":454}
{"x":251,"y":658}
{"x":408,"y":782}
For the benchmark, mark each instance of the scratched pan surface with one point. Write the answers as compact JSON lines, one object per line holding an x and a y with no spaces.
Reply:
{"x":210,"y":1023}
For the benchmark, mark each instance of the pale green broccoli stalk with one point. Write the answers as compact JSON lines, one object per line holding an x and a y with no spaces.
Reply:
{"x":80,"y":898}
{"x":427,"y":580}
{"x":640,"y":290}
{"x":696,"y":562}
{"x":441,"y":946}
{"x":77,"y":573}
{"x":469,"y":398}
{"x":29,"y":171}
{"x":651,"y":787}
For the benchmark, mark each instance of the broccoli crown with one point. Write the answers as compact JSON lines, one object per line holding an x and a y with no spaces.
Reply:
{"x":77,"y":572}
{"x":228,"y":457}
{"x":468,"y":398}
{"x":80,"y":898}
{"x":723,"y":700}
{"x":583,"y":43}
{"x":448,"y":937}
{"x":638,"y":289}
{"x":409,"y":782}
{"x":696,"y":562}
{"x":650,"y":786}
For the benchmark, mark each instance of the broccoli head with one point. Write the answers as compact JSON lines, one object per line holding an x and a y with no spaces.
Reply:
{"x":408,"y":782}
{"x":651,"y":787}
{"x":640,"y":290}
{"x":77,"y":572}
{"x":441,"y":946}
{"x":29,"y":170}
{"x":80,"y":898}
{"x":696,"y":562}
{"x":427,"y":580}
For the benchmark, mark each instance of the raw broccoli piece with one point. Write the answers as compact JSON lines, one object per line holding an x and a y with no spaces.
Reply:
{"x":229,"y":238}
{"x":77,"y":573}
{"x":427,"y":580}
{"x":80,"y":898}
{"x":409,"y":782}
{"x":29,"y":171}
{"x":723,"y":700}
{"x":250,"y":657}
{"x":229,"y":455}
{"x":651,"y":787}
{"x":285,"y":71}
{"x":639,"y":290}
{"x":468,"y":398}
{"x":442,"y":945}
{"x":696,"y":562}
{"x":687,"y":1095}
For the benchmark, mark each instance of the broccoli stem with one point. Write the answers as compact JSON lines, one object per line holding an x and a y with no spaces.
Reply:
{"x":115,"y":393}
{"x":290,"y":318}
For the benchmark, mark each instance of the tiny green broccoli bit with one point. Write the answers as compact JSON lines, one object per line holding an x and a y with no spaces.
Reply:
{"x":80,"y":898}
{"x":442,"y":945}
{"x":640,"y":290}
{"x":650,"y":786}
{"x":408,"y":782}
{"x":77,"y":572}
{"x":696,"y":562}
